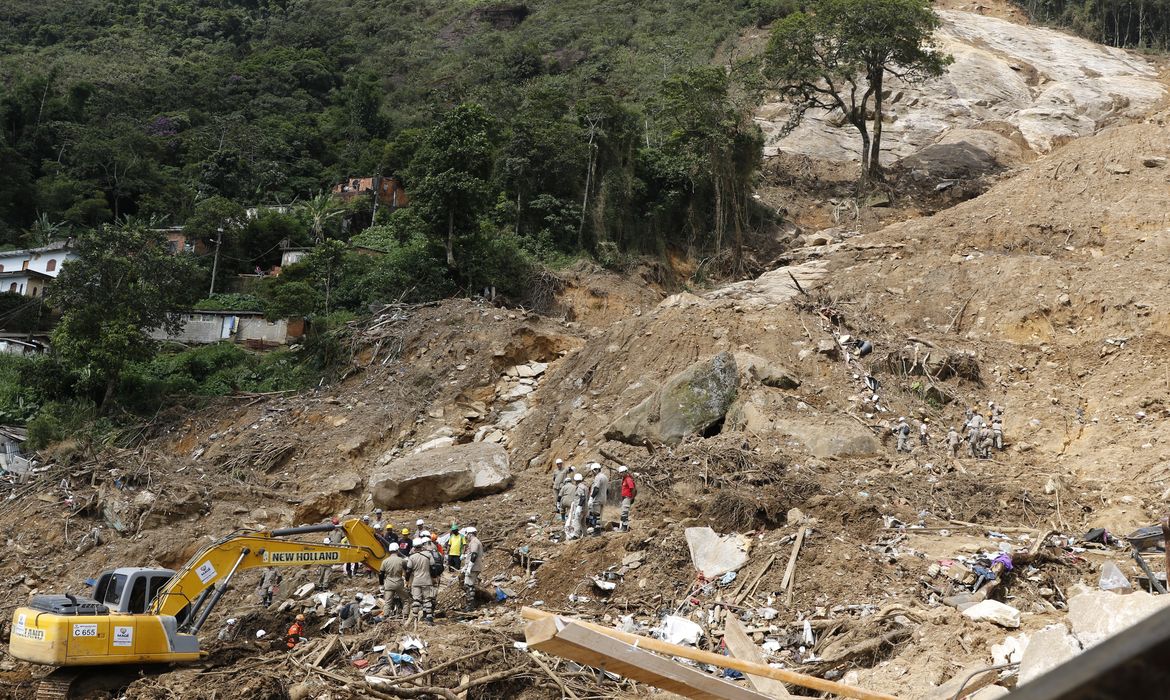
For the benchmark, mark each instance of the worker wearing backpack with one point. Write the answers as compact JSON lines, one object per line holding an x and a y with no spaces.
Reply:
{"x":422,"y":582}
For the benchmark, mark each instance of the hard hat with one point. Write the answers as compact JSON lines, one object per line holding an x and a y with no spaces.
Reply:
{"x":572,"y":468}
{"x":357,"y":596}
{"x":925,"y":420}
{"x":417,"y":542}
{"x":434,"y":536}
{"x":406,"y":531}
{"x":419,"y":522}
{"x":377,"y":511}
{"x":901,"y":418}
{"x":454,"y":527}
{"x":335,"y":520}
{"x":595,"y":467}
{"x":365,"y":518}
{"x":560,"y":461}
{"x":623,"y":469}
{"x":388,"y":528}
{"x":578,"y":477}
{"x":425,"y":533}
{"x":470,"y":531}
{"x":300,"y":618}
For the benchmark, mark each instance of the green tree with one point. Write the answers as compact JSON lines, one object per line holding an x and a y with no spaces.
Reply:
{"x":449,"y":175}
{"x":319,"y":211}
{"x":836,"y":57}
{"x":718,"y":145}
{"x":122,"y":285}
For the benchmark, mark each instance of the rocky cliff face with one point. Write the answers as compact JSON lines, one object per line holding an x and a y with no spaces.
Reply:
{"x":1013,"y":92}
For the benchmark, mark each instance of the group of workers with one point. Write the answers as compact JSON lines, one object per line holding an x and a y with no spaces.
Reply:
{"x":980,"y":434}
{"x":580,"y":506}
{"x":412,"y":571}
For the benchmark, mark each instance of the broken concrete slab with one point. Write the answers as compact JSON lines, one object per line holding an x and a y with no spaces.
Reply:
{"x":692,"y":401}
{"x":714,"y":554}
{"x":434,"y":444}
{"x":994,"y":611}
{"x":442,"y":475}
{"x":1097,"y":615}
{"x":1047,"y":649}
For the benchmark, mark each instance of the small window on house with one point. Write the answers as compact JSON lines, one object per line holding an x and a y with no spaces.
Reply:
{"x":24,"y":265}
{"x":35,"y":290}
{"x":52,"y":265}
{"x":1,"y":268}
{"x":12,"y":287}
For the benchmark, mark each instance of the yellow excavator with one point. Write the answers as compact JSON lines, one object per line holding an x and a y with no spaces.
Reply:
{"x":141,"y":616}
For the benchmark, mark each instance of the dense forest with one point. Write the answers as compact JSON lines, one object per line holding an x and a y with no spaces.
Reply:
{"x":526,"y":134}
{"x":1139,"y":24}
{"x":604,"y":121}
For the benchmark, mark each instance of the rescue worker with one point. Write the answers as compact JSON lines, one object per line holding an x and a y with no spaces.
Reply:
{"x":568,"y":488}
{"x":390,"y":535}
{"x":378,"y":524}
{"x":269,"y":584}
{"x":560,"y":473}
{"x":629,"y":493}
{"x":902,"y":430}
{"x":997,"y":432}
{"x":985,"y":442}
{"x":350,"y":615}
{"x":472,"y":567}
{"x":455,"y":544}
{"x":295,"y":633}
{"x":953,"y":442}
{"x":393,"y":573}
{"x":419,"y":527}
{"x":923,"y":437}
{"x":334,"y":537}
{"x":422,"y":586}
{"x":598,"y":494}
{"x":404,"y":542}
{"x":575,"y":514}
{"x":974,"y":423}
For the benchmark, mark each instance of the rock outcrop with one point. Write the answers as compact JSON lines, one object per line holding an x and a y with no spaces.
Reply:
{"x":441,"y":475}
{"x":692,"y":401}
{"x":1021,"y":86}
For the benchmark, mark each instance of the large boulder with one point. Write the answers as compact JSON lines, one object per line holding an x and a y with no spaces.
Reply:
{"x":830,"y":438}
{"x":441,"y":475}
{"x":692,"y":401}
{"x":765,"y":371}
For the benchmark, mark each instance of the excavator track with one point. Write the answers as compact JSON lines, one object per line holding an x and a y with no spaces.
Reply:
{"x":57,"y":685}
{"x":70,"y":683}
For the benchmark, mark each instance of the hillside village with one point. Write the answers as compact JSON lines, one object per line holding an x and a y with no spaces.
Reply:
{"x":893,"y":438}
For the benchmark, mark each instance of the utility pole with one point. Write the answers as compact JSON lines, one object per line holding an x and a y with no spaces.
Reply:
{"x":215,"y":260}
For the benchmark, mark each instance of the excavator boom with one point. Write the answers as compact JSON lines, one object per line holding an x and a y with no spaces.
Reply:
{"x":66,"y":630}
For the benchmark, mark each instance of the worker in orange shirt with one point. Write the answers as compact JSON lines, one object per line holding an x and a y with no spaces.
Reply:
{"x":295,"y":633}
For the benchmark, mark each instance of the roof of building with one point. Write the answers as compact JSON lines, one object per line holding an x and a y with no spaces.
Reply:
{"x":65,"y":244}
{"x":13,"y":433}
{"x":31,"y":274}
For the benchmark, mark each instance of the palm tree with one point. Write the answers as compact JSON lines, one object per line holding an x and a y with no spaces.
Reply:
{"x":42,"y":232}
{"x":320,"y":210}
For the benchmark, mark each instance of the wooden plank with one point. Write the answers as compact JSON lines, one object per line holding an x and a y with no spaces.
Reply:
{"x":573,"y":641}
{"x":706,"y":657}
{"x":741,"y":646}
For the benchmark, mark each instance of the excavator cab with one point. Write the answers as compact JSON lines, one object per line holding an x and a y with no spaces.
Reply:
{"x":129,"y":590}
{"x":111,"y":627}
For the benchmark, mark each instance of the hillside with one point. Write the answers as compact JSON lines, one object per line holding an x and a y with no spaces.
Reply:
{"x":1041,"y":292}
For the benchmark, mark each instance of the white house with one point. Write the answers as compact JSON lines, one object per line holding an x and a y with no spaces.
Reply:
{"x":245,"y":327}
{"x":27,"y":283}
{"x":28,"y":271}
